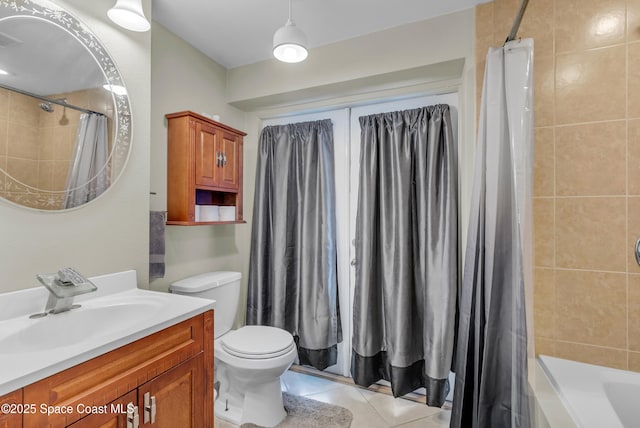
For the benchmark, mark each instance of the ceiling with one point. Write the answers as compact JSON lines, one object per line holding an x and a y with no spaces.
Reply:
{"x":239,"y":32}
{"x":44,"y":59}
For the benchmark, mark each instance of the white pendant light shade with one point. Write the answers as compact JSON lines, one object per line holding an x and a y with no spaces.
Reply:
{"x":289,"y":42}
{"x":129,"y":14}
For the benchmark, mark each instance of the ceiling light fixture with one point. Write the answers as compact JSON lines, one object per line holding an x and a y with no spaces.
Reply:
{"x":289,"y":42}
{"x":129,"y":14}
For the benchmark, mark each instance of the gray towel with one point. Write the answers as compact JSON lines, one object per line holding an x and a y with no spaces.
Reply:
{"x":157,"y":222}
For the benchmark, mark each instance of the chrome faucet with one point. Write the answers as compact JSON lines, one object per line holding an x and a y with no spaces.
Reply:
{"x":63,"y":286}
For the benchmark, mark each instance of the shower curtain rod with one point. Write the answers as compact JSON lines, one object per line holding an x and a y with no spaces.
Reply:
{"x":48,"y":100}
{"x":516,"y":23}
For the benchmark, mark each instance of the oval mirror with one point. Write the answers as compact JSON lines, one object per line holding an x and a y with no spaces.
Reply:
{"x":65,"y":119}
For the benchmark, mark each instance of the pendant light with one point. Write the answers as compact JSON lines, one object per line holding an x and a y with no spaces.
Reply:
{"x":289,"y":42}
{"x":128,"y":14}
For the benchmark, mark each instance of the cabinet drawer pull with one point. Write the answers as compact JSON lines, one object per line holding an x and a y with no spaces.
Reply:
{"x":149,"y":408}
{"x":153,"y":409}
{"x":133,"y":418}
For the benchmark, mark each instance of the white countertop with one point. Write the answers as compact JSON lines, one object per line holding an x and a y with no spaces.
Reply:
{"x":117,"y":314}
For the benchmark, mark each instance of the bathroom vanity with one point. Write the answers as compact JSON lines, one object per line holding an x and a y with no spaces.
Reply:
{"x":158,"y":371}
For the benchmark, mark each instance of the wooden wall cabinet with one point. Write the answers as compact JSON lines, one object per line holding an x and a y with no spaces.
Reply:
{"x":162,"y":380}
{"x":204,"y":167}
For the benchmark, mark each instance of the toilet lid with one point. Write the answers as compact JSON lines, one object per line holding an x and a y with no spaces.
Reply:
{"x":257,"y":342}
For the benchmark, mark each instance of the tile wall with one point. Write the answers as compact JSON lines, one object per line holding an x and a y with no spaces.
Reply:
{"x":36,"y":146}
{"x":587,"y":172}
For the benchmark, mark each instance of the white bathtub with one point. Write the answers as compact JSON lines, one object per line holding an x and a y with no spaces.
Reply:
{"x":594,"y":396}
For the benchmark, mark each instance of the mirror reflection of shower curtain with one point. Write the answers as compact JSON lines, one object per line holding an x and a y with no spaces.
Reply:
{"x":491,"y":362}
{"x":293,"y":281}
{"x":406,"y":252}
{"x":88,"y":174}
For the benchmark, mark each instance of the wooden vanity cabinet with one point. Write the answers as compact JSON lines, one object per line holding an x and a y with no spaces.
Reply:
{"x":178,"y":396}
{"x":166,"y":377}
{"x":175,"y":404}
{"x":12,"y":419}
{"x":109,"y":420}
{"x":204,"y":167}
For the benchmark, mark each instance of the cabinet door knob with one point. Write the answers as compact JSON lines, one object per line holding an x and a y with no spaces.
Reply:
{"x":224,"y":159}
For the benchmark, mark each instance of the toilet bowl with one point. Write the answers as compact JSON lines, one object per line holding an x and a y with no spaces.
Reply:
{"x":248,"y":361}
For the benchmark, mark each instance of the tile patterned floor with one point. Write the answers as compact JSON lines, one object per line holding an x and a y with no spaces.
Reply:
{"x":370,"y":409}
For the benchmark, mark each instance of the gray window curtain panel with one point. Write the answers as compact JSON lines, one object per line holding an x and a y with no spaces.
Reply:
{"x":293,"y":267}
{"x":406,"y":252}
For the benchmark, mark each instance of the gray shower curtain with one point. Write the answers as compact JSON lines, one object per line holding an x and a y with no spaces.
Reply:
{"x":406,"y":252}
{"x":293,"y":266}
{"x":491,"y":360}
{"x":88,"y":175}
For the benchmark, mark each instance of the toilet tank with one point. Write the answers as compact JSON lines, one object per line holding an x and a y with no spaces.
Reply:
{"x":223,"y":287}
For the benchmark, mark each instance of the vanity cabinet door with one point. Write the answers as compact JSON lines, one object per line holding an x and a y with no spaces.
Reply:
{"x":12,"y":419}
{"x":116,"y":416}
{"x":174,"y":399}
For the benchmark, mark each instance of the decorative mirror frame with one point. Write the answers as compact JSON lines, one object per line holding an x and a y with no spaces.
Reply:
{"x":120,"y":151}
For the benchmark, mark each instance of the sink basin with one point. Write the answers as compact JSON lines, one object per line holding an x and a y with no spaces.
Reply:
{"x":75,"y":326}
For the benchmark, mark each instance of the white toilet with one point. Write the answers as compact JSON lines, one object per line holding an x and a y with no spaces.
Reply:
{"x":249,"y":361}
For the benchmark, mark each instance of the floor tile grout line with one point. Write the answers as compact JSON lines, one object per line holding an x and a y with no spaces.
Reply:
{"x":424,"y":418}
{"x":374,"y":394}
{"x":374,"y":409}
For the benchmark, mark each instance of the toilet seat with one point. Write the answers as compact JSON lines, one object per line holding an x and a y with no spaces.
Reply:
{"x":257,"y":342}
